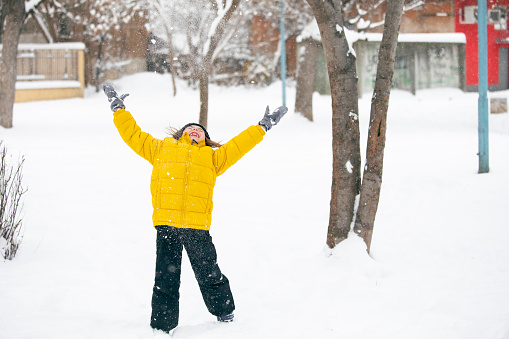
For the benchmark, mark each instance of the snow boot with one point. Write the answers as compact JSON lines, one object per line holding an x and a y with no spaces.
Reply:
{"x":225,"y":318}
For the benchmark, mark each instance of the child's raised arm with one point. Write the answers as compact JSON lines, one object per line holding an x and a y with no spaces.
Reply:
{"x":228,"y":154}
{"x":141,"y":142}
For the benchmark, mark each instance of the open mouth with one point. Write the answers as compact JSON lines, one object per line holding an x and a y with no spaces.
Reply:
{"x":194,"y":134}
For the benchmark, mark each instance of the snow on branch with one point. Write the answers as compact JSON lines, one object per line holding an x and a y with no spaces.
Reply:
{"x":30,"y":5}
{"x":226,"y":40}
{"x":42,"y":25}
{"x":221,"y":12}
{"x":311,"y":31}
{"x":413,"y":5}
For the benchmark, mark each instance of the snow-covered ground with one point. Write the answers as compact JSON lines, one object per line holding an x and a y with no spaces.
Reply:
{"x":440,"y":251}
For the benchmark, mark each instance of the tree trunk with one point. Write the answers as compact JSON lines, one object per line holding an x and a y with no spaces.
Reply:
{"x":14,"y":18}
{"x":171,"y":56}
{"x":171,"y":53}
{"x":204,"y":93}
{"x":305,"y":77}
{"x":99,"y":63}
{"x":345,"y":123}
{"x":194,"y":64}
{"x":372,"y":177}
{"x":208,"y":59}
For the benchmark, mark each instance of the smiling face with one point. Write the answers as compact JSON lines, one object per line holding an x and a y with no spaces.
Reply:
{"x":195,"y":132}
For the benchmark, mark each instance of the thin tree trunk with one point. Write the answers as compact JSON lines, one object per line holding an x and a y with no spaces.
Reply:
{"x":171,"y":56}
{"x":204,"y":92}
{"x":98,"y":64}
{"x":169,"y":34}
{"x":372,"y":177}
{"x":208,"y":59}
{"x":194,"y":65}
{"x":345,"y":123}
{"x":14,"y":18}
{"x":305,"y":77}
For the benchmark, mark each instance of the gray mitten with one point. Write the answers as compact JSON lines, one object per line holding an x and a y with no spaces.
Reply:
{"x":273,"y":118}
{"x":278,"y":114}
{"x":116,"y":101}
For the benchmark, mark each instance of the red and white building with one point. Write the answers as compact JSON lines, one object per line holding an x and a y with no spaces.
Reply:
{"x":465,"y":21}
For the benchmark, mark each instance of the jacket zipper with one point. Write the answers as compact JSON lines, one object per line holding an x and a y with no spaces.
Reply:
{"x":186,"y":180}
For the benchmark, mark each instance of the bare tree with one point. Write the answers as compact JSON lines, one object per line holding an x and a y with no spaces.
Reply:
{"x":12,"y":17}
{"x":360,"y":16}
{"x":101,"y":22}
{"x":346,"y":180}
{"x":345,"y":122}
{"x":224,"y":11}
{"x":49,"y":17}
{"x":11,"y":192}
{"x":164,"y":14}
{"x":306,"y":70}
{"x":372,"y":177}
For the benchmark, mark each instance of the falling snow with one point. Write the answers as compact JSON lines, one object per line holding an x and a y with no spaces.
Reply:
{"x":438,"y":264}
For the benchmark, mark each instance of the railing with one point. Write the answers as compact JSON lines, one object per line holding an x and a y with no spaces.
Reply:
{"x":50,"y":71}
{"x":47,"y":65}
{"x":51,"y":62}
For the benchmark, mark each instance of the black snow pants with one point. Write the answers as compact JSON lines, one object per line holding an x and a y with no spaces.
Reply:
{"x":214,"y":286}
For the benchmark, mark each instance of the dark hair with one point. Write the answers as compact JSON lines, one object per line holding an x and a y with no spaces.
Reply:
{"x":177,"y":134}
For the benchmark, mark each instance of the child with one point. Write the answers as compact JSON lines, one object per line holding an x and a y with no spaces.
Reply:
{"x":185,"y":167}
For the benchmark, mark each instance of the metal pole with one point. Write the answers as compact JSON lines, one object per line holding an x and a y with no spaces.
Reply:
{"x":484,"y":166}
{"x":283,"y":52}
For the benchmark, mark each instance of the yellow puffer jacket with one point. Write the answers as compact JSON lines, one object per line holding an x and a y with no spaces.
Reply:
{"x":184,"y":175}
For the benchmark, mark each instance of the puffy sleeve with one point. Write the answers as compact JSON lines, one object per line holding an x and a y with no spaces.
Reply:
{"x":142,"y":143}
{"x":228,"y":154}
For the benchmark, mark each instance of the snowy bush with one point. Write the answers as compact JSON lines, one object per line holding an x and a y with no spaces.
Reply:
{"x":11,"y":192}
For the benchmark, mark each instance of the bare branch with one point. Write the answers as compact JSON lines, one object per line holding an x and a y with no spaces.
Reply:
{"x":11,"y":192}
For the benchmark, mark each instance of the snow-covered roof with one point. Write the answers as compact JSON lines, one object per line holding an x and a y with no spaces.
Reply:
{"x":455,"y":38}
{"x":60,"y":45}
{"x":47,"y":84}
{"x":312,"y":31}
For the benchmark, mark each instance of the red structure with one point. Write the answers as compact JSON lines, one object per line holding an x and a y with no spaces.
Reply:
{"x":465,"y":14}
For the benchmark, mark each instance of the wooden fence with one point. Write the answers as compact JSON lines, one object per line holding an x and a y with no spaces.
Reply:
{"x":50,"y":71}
